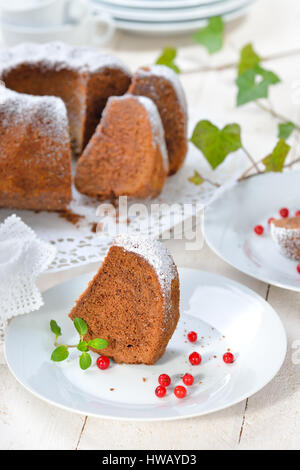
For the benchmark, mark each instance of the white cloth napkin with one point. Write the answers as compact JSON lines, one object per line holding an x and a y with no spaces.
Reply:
{"x":22,"y":258}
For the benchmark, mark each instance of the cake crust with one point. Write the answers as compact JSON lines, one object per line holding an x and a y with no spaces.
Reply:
{"x":162,"y":85}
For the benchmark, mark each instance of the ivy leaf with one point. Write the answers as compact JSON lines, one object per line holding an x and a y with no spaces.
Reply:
{"x":55,"y":328}
{"x":60,"y":354}
{"x":98,"y":343}
{"x":285,"y":129}
{"x":167,"y":58}
{"x":275,"y":161}
{"x":196,"y":179}
{"x":81,"y":326}
{"x":211,"y":36}
{"x":254,"y":84}
{"x":214,"y":143}
{"x":248,"y":59}
{"x":85,"y":361}
{"x":82,"y":346}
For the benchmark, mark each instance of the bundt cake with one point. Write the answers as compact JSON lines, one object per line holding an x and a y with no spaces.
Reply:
{"x":82,"y":77}
{"x":162,"y":85}
{"x":127,"y":153}
{"x":286,"y":234}
{"x":133,"y":301}
{"x":35,"y":155}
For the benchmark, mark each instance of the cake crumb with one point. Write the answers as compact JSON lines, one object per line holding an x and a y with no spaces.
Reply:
{"x":70,"y":216}
{"x":144,"y":379}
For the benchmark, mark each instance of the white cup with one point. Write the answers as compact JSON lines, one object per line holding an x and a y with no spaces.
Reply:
{"x":41,"y":13}
{"x":91,"y":30}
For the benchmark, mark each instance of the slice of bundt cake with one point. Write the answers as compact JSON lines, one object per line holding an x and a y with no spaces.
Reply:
{"x":133,"y":301}
{"x":286,"y":234}
{"x":82,"y":77}
{"x":35,"y":156}
{"x":127,"y":154}
{"x":162,"y":85}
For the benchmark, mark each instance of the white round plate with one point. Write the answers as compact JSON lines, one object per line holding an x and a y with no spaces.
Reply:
{"x":169,"y":15}
{"x":141,"y":4}
{"x":229,"y":223}
{"x":224,"y":313}
{"x":173,"y":27}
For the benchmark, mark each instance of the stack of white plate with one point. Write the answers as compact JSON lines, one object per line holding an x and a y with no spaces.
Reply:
{"x":169,"y":16}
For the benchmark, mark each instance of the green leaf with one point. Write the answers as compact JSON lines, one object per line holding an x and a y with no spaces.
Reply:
{"x":82,"y":346}
{"x":211,"y":36}
{"x":254,"y":84}
{"x":285,"y":129}
{"x":85,"y":361}
{"x":60,"y":354}
{"x":196,"y":179}
{"x":275,"y":161}
{"x":214,"y":143}
{"x":167,"y":58}
{"x":55,"y":328}
{"x":248,"y":59}
{"x":81,"y":326}
{"x":98,"y":343}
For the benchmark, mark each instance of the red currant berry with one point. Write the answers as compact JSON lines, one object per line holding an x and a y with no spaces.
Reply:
{"x":160,"y":391}
{"x":180,"y":391}
{"x":103,"y":362}
{"x":188,"y":379}
{"x":298,"y":268}
{"x":164,"y":380}
{"x":270,"y":220}
{"x":297,"y":213}
{"x":284,"y":212}
{"x":258,"y":229}
{"x":228,"y":358}
{"x":195,"y":359}
{"x":192,"y":336}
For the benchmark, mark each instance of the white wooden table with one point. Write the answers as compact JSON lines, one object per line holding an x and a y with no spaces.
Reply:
{"x":269,"y":419}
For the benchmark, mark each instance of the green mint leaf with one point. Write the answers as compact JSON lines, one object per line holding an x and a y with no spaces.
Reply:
{"x":196,"y":179}
{"x":60,"y":354}
{"x":211,"y":36}
{"x":55,"y":328}
{"x":275,"y":161}
{"x":214,"y":143}
{"x":248,"y":59}
{"x":82,"y":346}
{"x":81,"y":326}
{"x":285,"y":129}
{"x":254,"y":84}
{"x":98,"y":343}
{"x":167,"y":58}
{"x":85,"y":361}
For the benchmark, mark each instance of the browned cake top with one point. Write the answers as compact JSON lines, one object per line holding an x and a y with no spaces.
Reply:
{"x":290,"y":223}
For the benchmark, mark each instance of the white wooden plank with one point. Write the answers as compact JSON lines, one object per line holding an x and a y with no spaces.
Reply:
{"x":28,"y":423}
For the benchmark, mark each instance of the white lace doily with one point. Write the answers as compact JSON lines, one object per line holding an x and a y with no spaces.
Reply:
{"x":179,"y":201}
{"x":23,"y":257}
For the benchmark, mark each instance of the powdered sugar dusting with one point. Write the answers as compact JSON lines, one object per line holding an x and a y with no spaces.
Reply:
{"x":58,"y":56}
{"x":157,"y":256}
{"x":47,"y":112}
{"x":155,"y":121}
{"x":157,"y":127}
{"x":288,"y":240}
{"x":171,"y":76}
